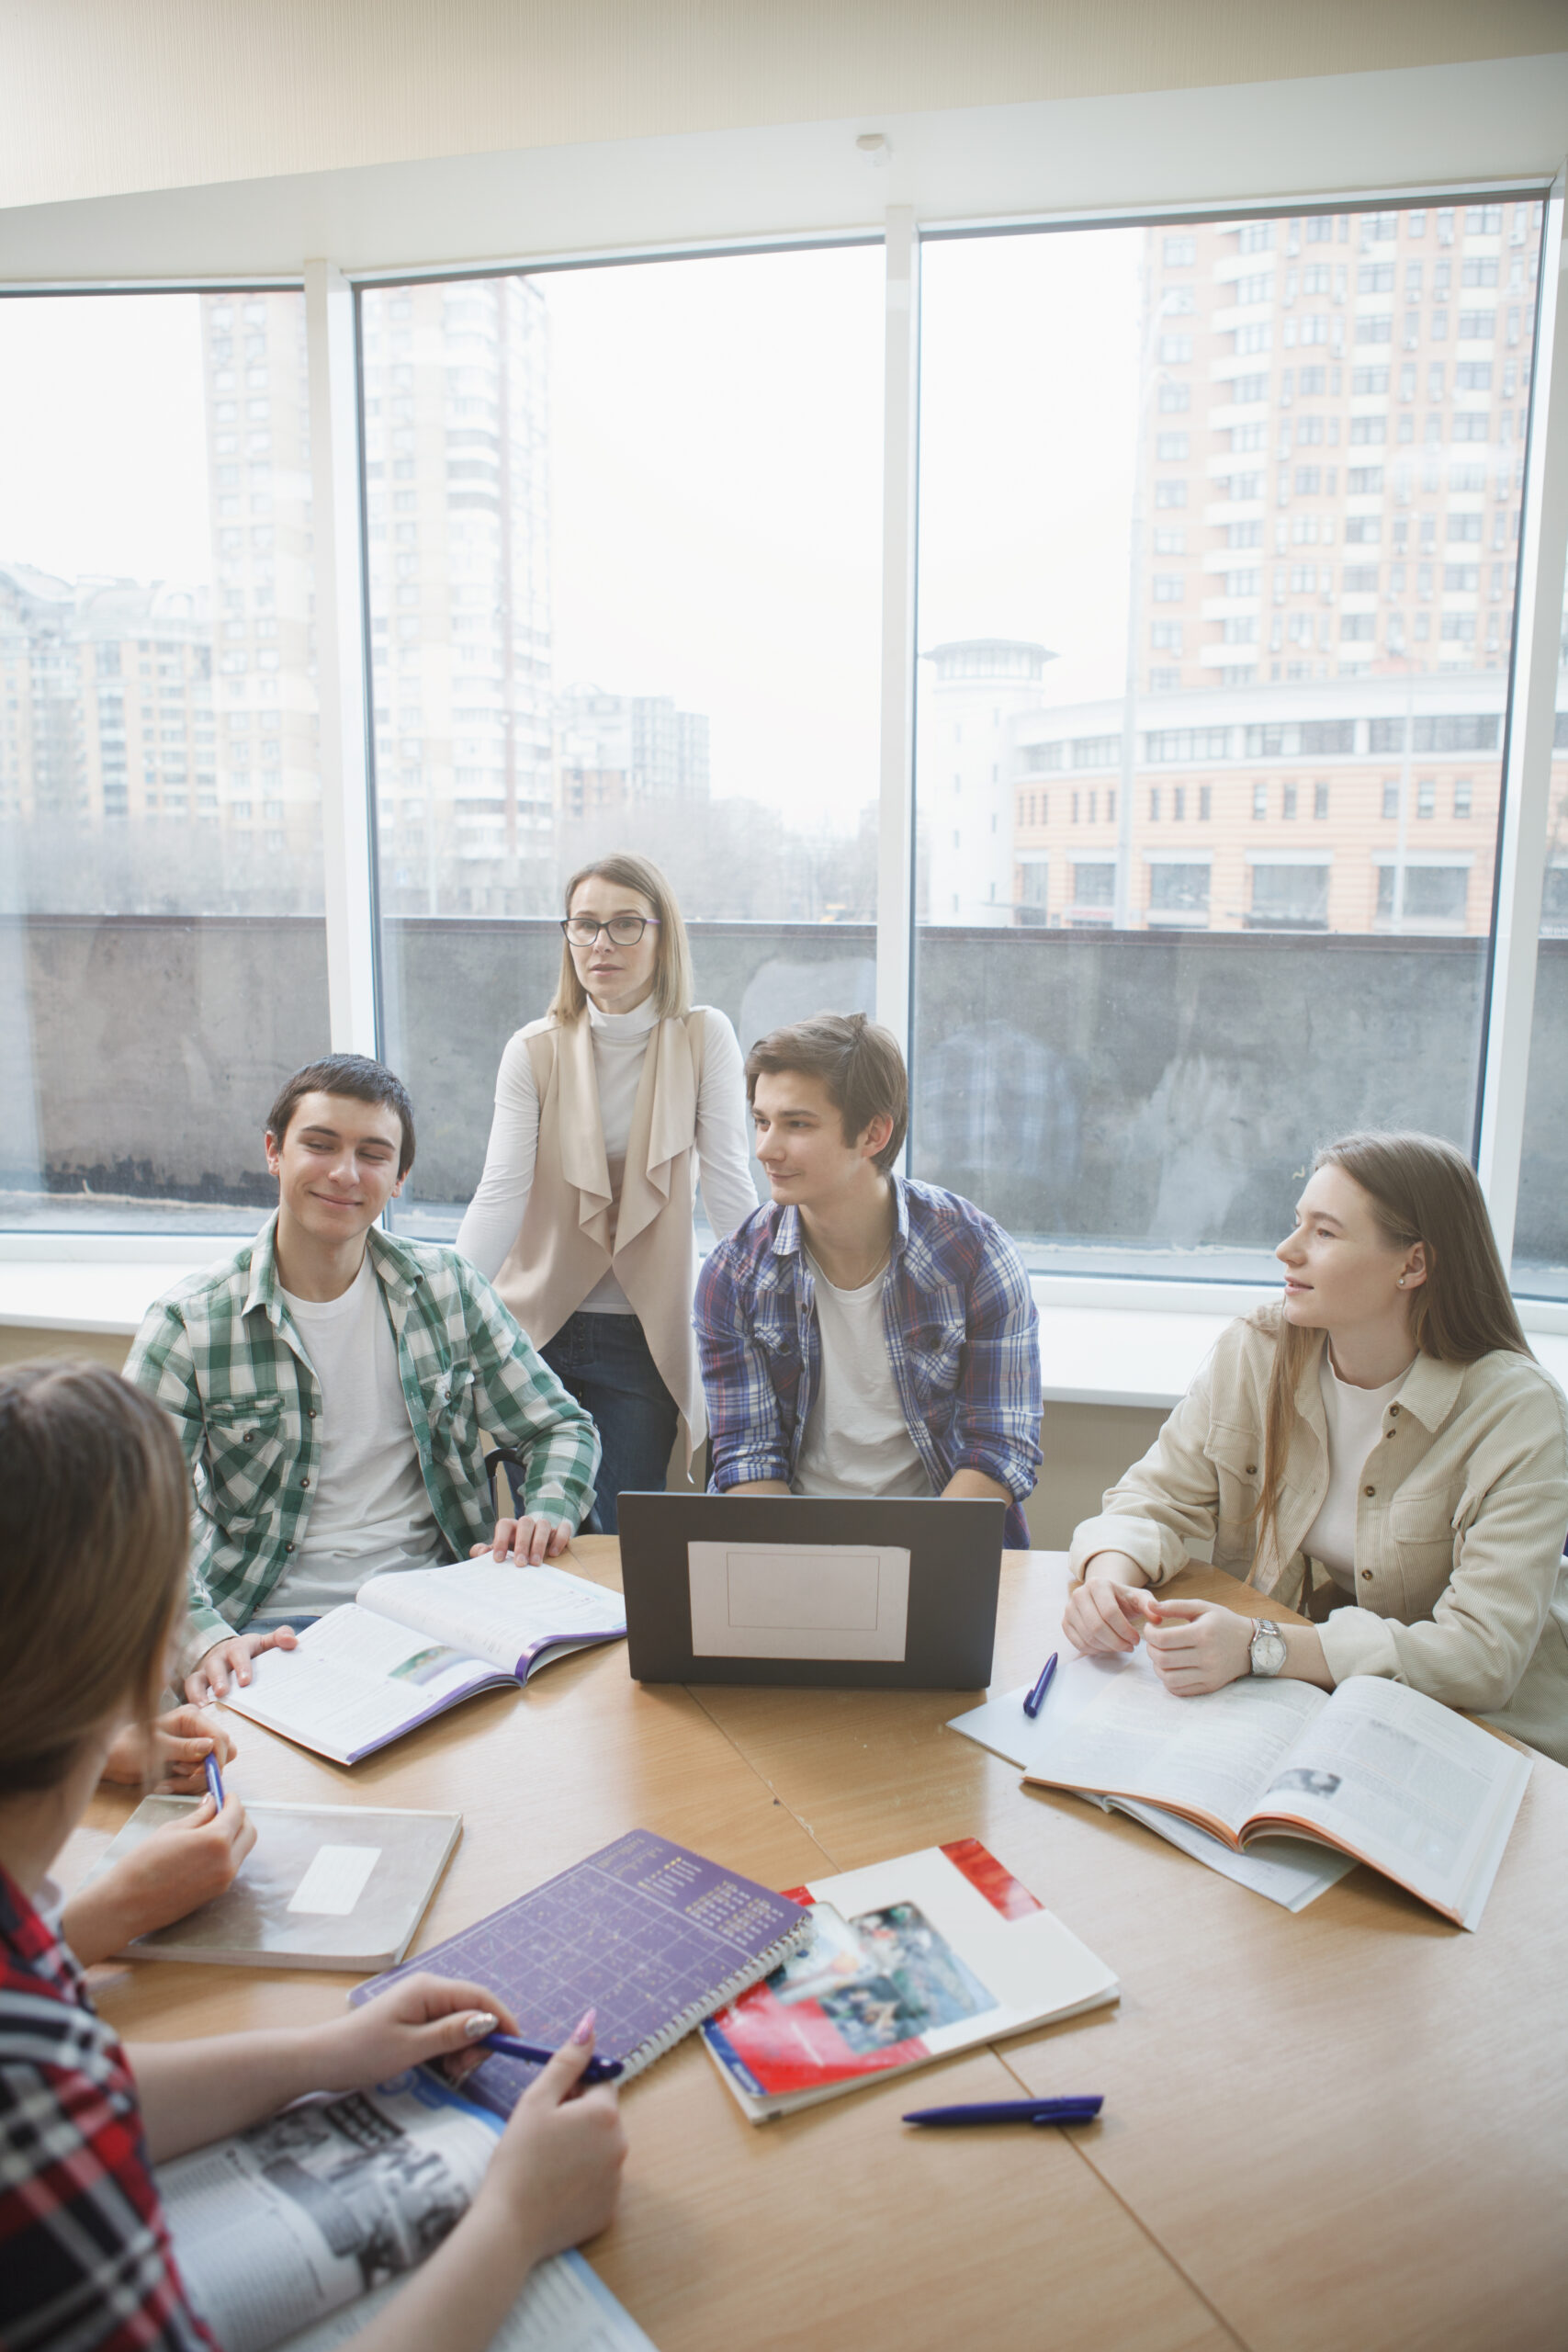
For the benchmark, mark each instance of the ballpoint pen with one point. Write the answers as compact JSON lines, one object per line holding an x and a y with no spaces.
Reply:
{"x":214,"y":1781}
{"x":1032,"y":1704}
{"x":506,"y":2045}
{"x":1010,"y":2111}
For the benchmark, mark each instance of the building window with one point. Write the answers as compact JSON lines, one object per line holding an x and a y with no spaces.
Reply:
{"x":1320,"y":800}
{"x":1205,"y":802}
{"x":1463,"y":798}
{"x":1259,"y":800}
{"x":1094,"y":886}
{"x":1179,"y":891}
{"x":1432,"y":893}
{"x":1289,"y":897}
{"x":1427,"y":797}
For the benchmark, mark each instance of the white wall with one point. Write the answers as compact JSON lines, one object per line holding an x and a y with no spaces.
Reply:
{"x":104,"y":96}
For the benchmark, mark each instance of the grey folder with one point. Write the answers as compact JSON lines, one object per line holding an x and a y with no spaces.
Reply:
{"x":956,"y":1553}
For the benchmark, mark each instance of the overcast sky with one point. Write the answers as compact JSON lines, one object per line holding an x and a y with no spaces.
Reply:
{"x":716,"y":476}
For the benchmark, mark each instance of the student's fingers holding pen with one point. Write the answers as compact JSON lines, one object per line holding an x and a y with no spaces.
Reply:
{"x":419,"y":2020}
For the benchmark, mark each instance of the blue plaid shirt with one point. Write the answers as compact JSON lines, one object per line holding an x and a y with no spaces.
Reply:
{"x":963,"y":1340}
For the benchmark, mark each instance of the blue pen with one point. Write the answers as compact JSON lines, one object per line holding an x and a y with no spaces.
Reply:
{"x":1012,"y":2110}
{"x":506,"y":2045}
{"x":214,"y":1781}
{"x":1031,"y":1705}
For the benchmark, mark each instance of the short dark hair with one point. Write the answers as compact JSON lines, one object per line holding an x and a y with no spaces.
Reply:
{"x":857,"y":1061}
{"x":354,"y":1075}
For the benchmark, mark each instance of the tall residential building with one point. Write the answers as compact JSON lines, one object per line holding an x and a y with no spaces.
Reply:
{"x":105,"y":704}
{"x":258,"y":458}
{"x":1327,"y":514}
{"x":457,"y":502}
{"x":617,"y":755}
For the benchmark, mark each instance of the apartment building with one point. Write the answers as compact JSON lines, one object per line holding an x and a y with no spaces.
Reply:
{"x":1326,"y":514}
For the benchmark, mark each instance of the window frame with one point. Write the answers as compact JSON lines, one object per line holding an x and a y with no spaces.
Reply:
{"x":335,"y":380}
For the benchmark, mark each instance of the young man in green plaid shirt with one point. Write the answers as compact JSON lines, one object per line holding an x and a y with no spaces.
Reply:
{"x":330,"y":1384}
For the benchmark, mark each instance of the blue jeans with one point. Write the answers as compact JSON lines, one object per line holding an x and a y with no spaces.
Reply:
{"x":605,"y":1360}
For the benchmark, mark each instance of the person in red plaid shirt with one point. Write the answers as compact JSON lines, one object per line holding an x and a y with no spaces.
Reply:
{"x":94,"y":1532}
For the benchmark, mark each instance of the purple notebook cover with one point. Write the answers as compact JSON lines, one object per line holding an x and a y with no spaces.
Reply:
{"x":644,"y":1931}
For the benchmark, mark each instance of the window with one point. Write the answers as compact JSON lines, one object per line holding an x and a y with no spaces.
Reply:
{"x":1430,"y":894}
{"x":1178,"y":893}
{"x":1427,"y":797}
{"x":127,"y":852}
{"x":1093,"y":885}
{"x":1289,"y":897}
{"x":1287,"y":800}
{"x":1172,"y":448}
{"x":577,"y":675}
{"x":1462,"y":796}
{"x":1259,"y":800}
{"x":1320,"y":801}
{"x":1179,"y":252}
{"x":1390,"y":796}
{"x":1034,"y":892}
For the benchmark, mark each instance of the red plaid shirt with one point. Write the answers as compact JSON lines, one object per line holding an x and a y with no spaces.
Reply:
{"x":85,"y":2264}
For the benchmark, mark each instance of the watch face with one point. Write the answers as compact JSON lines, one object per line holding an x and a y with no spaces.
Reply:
{"x":1267,"y":1650}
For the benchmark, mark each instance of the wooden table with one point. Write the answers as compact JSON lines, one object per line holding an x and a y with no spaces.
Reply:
{"x":1345,"y":2129}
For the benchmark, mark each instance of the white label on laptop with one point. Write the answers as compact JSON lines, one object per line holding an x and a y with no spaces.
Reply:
{"x":799,"y":1600}
{"x":335,"y":1881}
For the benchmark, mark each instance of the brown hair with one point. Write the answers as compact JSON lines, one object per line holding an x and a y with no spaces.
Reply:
{"x":94,"y":1518}
{"x":1420,"y":1189}
{"x":857,"y":1061}
{"x":362,"y":1080}
{"x":672,"y":967}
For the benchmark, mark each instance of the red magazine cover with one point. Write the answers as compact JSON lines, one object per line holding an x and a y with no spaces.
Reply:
{"x":881,"y":1985}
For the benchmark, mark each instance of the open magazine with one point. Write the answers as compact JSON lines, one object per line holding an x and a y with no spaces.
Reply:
{"x":1371,"y":1771}
{"x":294,"y":2232}
{"x":414,"y":1644}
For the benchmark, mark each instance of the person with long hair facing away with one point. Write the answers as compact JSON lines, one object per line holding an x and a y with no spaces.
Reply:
{"x":1379,"y":1451}
{"x":605,"y":1110}
{"x":95,"y":1508}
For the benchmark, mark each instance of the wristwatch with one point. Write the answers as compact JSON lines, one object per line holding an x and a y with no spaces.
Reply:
{"x":1267,"y":1650}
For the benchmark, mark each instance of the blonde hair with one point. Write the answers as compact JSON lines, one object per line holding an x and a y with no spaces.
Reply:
{"x":95,"y":1520}
{"x":1420,"y":1190}
{"x":673,"y":965}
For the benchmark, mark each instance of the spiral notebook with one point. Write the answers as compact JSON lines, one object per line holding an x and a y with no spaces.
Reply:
{"x":652,"y":1936}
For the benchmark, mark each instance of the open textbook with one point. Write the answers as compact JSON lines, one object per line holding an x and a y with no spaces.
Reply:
{"x":909,"y":1961}
{"x":1371,"y":1772}
{"x":414,"y":1644}
{"x":297,"y":2231}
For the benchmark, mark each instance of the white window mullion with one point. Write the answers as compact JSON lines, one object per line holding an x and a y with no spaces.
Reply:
{"x":897,"y":818}
{"x":346,"y":846}
{"x":1521,"y":851}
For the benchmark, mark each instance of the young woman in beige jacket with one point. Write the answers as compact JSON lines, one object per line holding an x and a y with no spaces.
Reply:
{"x":607,"y":1112}
{"x":1380,"y":1451}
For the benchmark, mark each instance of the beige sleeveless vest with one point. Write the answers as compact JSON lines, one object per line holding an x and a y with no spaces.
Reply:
{"x":573,"y":1230}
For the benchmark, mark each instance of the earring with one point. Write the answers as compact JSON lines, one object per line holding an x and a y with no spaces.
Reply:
{"x":1401,"y":1284}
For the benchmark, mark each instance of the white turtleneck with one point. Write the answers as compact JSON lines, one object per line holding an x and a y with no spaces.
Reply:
{"x":494,"y":1215}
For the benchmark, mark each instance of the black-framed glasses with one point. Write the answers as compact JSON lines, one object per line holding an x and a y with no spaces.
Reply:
{"x":624,"y":931}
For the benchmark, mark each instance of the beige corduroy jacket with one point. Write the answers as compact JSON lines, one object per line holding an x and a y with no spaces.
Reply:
{"x":1461,"y":1584}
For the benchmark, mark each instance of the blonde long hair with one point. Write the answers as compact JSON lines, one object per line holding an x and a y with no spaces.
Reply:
{"x":1420,"y":1189}
{"x":673,"y":969}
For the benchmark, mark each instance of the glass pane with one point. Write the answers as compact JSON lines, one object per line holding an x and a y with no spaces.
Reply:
{"x":1541,"y":1227}
{"x":625,"y":532}
{"x":162,"y":959}
{"x":1219,"y":529}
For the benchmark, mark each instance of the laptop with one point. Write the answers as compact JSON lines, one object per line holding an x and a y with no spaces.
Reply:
{"x":808,"y":1590}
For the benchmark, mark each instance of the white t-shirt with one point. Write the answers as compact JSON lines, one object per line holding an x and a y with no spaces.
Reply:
{"x":620,"y":1040}
{"x":371,"y":1511}
{"x":856,"y":1439}
{"x":1355,"y":1427}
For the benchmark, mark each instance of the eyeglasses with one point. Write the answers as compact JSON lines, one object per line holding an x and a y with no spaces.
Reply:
{"x":624,"y":931}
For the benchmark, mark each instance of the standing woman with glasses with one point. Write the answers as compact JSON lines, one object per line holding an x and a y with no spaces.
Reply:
{"x":606,"y":1113}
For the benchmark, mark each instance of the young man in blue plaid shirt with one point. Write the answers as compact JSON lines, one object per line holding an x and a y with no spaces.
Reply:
{"x":330,"y":1385}
{"x":862,"y":1335}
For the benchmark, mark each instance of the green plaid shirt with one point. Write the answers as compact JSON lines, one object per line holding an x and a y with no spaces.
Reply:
{"x":221,"y":1355}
